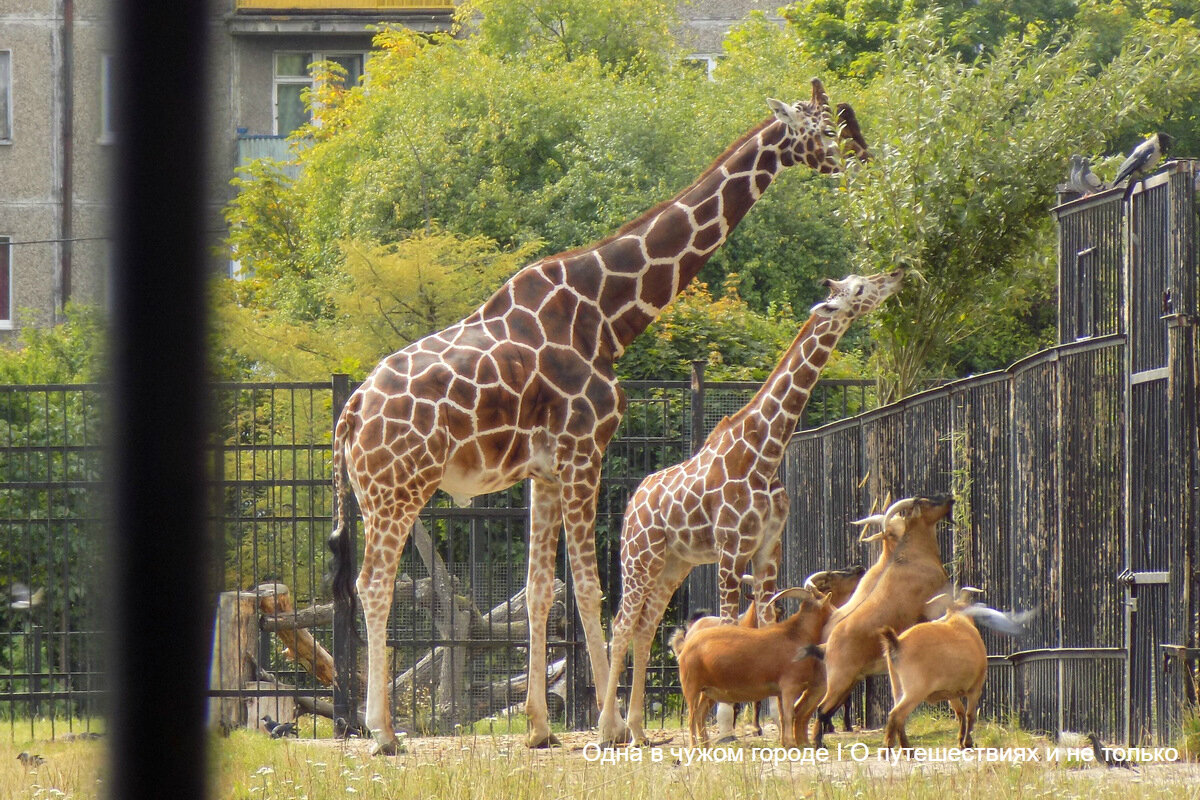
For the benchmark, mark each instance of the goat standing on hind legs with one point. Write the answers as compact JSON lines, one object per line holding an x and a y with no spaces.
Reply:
{"x":891,"y":594}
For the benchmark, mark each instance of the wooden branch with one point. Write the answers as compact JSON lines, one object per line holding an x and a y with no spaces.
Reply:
{"x":309,"y":617}
{"x":274,"y":599}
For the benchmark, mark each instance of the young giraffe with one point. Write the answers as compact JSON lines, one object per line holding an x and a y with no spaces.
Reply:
{"x":524,"y":388}
{"x":725,"y":504}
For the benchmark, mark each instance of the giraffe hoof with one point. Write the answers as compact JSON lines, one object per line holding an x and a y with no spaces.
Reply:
{"x":550,"y":740}
{"x":730,"y":739}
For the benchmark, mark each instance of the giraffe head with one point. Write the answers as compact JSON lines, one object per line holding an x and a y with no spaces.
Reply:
{"x":812,"y":136}
{"x":855,"y":295}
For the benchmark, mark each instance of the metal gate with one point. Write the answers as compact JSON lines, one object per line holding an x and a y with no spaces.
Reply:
{"x":1160,"y":268}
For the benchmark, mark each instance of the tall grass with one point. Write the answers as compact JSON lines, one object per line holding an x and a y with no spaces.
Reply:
{"x":251,"y":766}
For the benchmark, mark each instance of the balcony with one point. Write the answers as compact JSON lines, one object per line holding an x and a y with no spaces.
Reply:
{"x":337,"y":17}
{"x":341,"y":6}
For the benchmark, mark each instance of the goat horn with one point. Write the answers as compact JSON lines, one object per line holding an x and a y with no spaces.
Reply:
{"x":798,"y":590}
{"x":895,"y":508}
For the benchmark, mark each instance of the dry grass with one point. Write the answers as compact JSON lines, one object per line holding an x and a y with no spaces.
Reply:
{"x":72,"y":766}
{"x":251,"y":766}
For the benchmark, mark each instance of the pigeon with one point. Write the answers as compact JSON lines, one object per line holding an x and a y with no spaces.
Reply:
{"x":1081,"y":179}
{"x":1012,"y":623}
{"x":30,"y":760}
{"x":1144,"y":157}
{"x":1107,"y":759}
{"x":23,"y":599}
{"x":279,"y":729}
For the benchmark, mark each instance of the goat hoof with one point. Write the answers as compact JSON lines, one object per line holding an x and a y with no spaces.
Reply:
{"x":542,"y":744}
{"x":386,"y":748}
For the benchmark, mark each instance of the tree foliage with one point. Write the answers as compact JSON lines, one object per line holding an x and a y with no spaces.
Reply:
{"x":966,"y":172}
{"x":538,"y":147}
{"x":384,"y":297}
{"x":619,"y":33}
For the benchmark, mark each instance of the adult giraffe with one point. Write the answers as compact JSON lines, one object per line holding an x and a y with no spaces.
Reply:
{"x":524,"y":388}
{"x":725,"y":504}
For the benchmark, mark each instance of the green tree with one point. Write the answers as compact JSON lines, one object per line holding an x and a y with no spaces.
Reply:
{"x":384,"y":298}
{"x":621,"y":33}
{"x":444,"y":136}
{"x":966,"y":168}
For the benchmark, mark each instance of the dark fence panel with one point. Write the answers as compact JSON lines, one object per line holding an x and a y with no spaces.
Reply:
{"x":1090,"y":252}
{"x":51,"y":520}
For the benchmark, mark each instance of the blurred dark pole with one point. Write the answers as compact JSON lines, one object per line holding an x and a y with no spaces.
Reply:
{"x":159,"y":574}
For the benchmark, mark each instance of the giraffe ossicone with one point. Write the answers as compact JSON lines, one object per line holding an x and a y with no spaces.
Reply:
{"x":725,"y":504}
{"x":524,"y":388}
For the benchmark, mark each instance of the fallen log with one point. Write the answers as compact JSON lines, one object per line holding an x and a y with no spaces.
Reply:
{"x":274,"y":599}
{"x":310,"y":617}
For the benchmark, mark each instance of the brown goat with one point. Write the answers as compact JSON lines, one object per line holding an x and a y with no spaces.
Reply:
{"x":732,"y":664}
{"x":908,"y":573}
{"x":840,"y":585}
{"x":934,"y":661}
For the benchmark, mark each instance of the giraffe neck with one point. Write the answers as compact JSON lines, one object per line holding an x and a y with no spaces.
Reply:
{"x":635,"y":273}
{"x":771,"y":416}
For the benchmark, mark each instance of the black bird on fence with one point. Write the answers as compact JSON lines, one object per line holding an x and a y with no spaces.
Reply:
{"x":1105,"y":756}
{"x":1144,"y":157}
{"x":279,"y":729}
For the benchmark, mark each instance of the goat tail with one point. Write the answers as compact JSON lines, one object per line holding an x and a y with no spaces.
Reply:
{"x":891,"y":643}
{"x":677,"y":640}
{"x":344,"y":596}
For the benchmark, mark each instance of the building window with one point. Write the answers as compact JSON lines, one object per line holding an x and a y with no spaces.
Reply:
{"x":107,"y":130}
{"x":5,"y":96}
{"x":5,"y":283}
{"x":293,"y":74}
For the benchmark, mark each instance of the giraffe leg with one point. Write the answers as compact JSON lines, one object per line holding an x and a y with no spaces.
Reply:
{"x":384,"y":541}
{"x":579,"y":515}
{"x":545,"y":516}
{"x":643,"y":637}
{"x":611,"y":728}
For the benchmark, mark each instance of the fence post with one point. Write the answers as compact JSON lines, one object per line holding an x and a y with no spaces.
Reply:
{"x":345,"y":639}
{"x":697,"y":394}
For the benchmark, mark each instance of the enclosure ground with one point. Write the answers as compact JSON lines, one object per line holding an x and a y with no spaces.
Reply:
{"x":499,"y":765}
{"x":251,"y":766}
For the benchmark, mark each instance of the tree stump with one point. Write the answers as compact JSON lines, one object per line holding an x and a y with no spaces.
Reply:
{"x":235,"y":634}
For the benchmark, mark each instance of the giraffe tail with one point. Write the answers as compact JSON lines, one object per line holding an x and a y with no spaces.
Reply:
{"x":344,"y":596}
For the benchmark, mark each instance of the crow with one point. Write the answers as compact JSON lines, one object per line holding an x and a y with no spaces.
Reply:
{"x":283,"y":729}
{"x":279,"y":729}
{"x":1144,"y":157}
{"x":1109,"y":760}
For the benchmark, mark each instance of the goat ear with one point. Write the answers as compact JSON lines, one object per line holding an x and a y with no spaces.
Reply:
{"x":874,"y":519}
